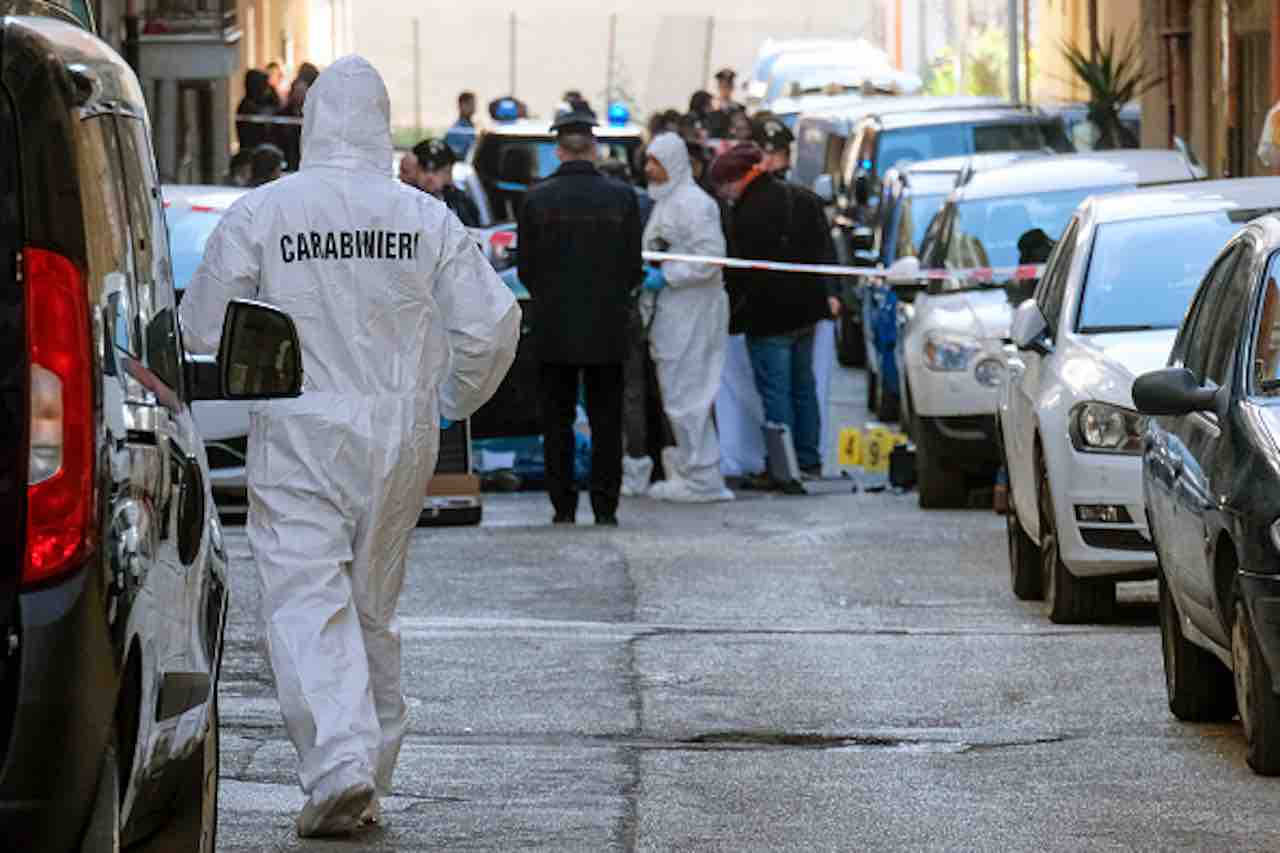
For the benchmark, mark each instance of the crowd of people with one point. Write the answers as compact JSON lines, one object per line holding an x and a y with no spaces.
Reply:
{"x":709,"y":182}
{"x":269,"y":124}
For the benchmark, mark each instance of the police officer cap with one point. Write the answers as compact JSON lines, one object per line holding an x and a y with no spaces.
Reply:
{"x":726,"y":74}
{"x":433,"y":154}
{"x":772,"y":135}
{"x":574,"y":121}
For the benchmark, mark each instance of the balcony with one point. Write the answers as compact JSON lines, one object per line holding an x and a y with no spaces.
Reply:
{"x":189,"y":39}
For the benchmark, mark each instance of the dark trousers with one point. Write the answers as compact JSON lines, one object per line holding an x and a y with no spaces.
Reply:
{"x":558,"y":390}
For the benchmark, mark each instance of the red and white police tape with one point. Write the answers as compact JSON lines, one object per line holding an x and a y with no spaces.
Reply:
{"x":1022,"y":272}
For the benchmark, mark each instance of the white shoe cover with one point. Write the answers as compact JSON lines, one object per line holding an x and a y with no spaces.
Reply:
{"x":636,"y":471}
{"x":678,"y":491}
{"x":335,"y":814}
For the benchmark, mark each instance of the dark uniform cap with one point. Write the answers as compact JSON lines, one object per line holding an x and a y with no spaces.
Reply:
{"x":726,"y":74}
{"x":772,"y":135}
{"x":434,"y":154}
{"x":574,"y":121}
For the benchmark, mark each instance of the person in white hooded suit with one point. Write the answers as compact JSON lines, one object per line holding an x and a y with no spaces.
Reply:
{"x":402,"y":323}
{"x":688,"y":313}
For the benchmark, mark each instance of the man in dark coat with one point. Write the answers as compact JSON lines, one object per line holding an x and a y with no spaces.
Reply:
{"x":580,"y":259}
{"x":772,"y":221}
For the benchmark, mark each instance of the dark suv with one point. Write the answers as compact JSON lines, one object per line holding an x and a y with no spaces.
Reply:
{"x":113,"y":578}
{"x":894,"y":140}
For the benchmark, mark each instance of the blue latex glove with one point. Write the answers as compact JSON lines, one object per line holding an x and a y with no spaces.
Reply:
{"x":445,"y":423}
{"x":654,"y":279}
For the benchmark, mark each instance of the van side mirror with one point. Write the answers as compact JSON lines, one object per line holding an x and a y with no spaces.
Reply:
{"x":259,"y":358}
{"x":824,"y":187}
{"x":1172,"y":391}
{"x":1030,"y":329}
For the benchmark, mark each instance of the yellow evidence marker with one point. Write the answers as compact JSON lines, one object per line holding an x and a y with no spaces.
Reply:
{"x":850,"y":447}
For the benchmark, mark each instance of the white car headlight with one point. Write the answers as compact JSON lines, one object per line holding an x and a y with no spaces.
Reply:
{"x":949,"y":352}
{"x":1103,"y":428}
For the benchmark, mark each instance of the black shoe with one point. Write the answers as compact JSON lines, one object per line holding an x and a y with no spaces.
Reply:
{"x":606,"y":521}
{"x":812,"y":472}
{"x":564,"y":518}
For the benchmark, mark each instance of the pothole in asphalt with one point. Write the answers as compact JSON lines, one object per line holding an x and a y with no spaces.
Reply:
{"x":765,"y":739}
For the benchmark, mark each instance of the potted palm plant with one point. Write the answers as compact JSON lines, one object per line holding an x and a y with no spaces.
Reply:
{"x":1114,"y":74}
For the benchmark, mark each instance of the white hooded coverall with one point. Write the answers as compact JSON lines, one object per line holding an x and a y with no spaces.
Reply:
{"x":401,"y":321}
{"x":690,"y":326}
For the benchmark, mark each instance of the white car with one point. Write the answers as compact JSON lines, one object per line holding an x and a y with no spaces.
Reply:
{"x":989,"y":239}
{"x":1106,"y":311}
{"x":192,"y":212}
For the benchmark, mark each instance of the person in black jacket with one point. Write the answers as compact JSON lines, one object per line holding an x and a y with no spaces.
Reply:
{"x":580,"y":260}
{"x":256,"y":102}
{"x":773,"y":221}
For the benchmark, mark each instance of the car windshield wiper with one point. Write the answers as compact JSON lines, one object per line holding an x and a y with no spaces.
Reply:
{"x":1119,"y":327}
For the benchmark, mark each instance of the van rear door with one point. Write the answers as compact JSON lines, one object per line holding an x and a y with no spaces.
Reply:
{"x":14,"y":416}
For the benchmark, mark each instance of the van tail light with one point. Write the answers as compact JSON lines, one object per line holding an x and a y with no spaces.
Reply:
{"x":60,"y":481}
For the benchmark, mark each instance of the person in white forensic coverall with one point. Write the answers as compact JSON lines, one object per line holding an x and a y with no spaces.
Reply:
{"x":402,"y":323}
{"x":688,"y":313}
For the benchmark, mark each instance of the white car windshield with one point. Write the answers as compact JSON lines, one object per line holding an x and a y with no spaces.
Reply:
{"x":1012,"y":230}
{"x":1143,"y":273}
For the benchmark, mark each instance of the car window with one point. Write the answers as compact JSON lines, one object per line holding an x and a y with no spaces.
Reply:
{"x":109,"y":258}
{"x":1053,"y":285}
{"x":1019,"y":137}
{"x":933,"y":243}
{"x":1227,"y":327}
{"x":918,"y":212}
{"x":1265,"y":372}
{"x":1143,"y":273}
{"x":1197,"y":333}
{"x":904,"y":146}
{"x":156,"y":300}
{"x":1011,"y":230}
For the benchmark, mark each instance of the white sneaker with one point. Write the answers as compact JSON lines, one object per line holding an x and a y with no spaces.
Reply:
{"x":338,"y":814}
{"x":636,"y":471}
{"x":678,"y":491}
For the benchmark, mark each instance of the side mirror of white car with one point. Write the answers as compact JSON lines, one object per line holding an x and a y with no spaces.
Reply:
{"x":1030,"y":329}
{"x":824,"y":187}
{"x":902,"y":268}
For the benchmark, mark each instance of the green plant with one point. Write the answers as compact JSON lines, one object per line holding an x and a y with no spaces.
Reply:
{"x":986,"y":68}
{"x":1114,"y":74}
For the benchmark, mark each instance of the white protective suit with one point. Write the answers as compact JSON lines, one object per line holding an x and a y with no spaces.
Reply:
{"x":402,"y":321}
{"x":690,"y":325}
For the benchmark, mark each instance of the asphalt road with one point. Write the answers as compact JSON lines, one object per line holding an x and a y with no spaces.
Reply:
{"x":834,"y":672}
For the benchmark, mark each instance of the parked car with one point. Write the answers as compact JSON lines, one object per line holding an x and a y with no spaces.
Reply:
{"x":910,"y":199}
{"x":453,"y":495}
{"x":113,"y":595}
{"x":1211,"y":482}
{"x":821,"y":138}
{"x":774,"y":51}
{"x":993,"y":232}
{"x":510,"y":157}
{"x":883,"y":141}
{"x":1081,"y":131}
{"x":1106,"y":310}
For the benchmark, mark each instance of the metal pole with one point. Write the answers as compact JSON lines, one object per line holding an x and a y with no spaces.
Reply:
{"x":613,"y":46}
{"x":513,"y":54}
{"x":417,"y":78}
{"x":706,"y":52}
{"x":1014,"y":88}
{"x":1026,"y":44}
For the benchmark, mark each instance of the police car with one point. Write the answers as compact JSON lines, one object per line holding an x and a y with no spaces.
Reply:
{"x":513,"y":155}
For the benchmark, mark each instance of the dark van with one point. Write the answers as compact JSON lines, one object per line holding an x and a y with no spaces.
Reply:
{"x":113,"y":576}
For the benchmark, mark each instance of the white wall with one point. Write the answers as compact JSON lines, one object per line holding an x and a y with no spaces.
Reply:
{"x":562,"y":44}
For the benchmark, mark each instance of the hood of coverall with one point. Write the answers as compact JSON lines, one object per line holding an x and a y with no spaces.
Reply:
{"x":670,"y":150}
{"x":347,"y":119}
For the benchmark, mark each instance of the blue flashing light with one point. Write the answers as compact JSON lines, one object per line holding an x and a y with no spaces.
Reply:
{"x":866,"y":164}
{"x":507,"y":110}
{"x":619,"y":115}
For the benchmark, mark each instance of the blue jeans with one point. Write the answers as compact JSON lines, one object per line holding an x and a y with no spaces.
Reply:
{"x":783,"y":368}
